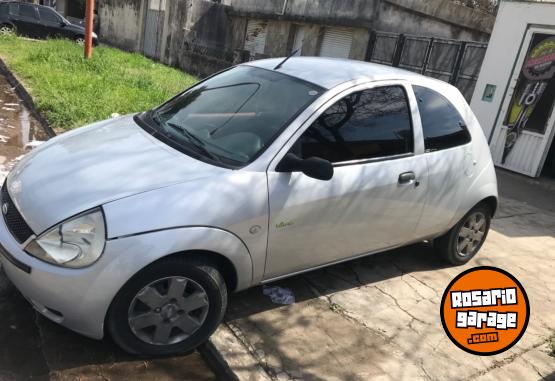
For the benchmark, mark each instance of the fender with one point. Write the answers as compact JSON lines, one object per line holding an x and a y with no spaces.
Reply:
{"x":162,"y":243}
{"x":126,"y":256}
{"x":479,"y":190}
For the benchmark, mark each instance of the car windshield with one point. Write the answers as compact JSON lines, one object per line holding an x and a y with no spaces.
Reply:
{"x":232,"y":117}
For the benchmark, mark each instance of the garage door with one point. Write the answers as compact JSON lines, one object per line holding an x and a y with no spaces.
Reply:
{"x":336,"y":43}
{"x":255,"y":38}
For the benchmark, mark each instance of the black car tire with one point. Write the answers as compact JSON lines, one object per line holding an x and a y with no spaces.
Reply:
{"x":448,"y":244}
{"x":201,"y":272}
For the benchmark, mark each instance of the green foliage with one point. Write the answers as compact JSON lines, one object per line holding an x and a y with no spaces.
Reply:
{"x":71,"y":91}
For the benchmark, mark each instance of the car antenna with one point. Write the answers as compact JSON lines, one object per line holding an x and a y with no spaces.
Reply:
{"x":295,"y":52}
{"x":289,"y":56}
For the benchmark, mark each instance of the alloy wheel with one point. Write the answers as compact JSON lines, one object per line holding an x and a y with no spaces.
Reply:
{"x":6,"y":30}
{"x":80,"y":41}
{"x":168,"y":311}
{"x":472,"y":234}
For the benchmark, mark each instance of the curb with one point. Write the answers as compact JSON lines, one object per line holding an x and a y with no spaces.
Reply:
{"x":27,"y":99}
{"x":232,"y":354}
{"x":216,"y":362}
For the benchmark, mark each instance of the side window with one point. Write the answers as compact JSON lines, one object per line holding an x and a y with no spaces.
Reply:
{"x":27,"y":11}
{"x":14,"y":9}
{"x":48,"y":16}
{"x":442,"y":124}
{"x":368,"y":124}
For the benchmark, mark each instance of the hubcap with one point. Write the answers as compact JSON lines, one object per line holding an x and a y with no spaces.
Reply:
{"x":168,"y":311}
{"x":472,"y":234}
{"x":5,"y":30}
{"x":80,"y":41}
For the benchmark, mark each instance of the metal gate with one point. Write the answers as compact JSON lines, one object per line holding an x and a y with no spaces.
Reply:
{"x":453,"y":61}
{"x":154,"y":24}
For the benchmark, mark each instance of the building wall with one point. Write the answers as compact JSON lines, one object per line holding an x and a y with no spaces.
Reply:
{"x":204,"y":36}
{"x":121,"y":22}
{"x":437,"y":18}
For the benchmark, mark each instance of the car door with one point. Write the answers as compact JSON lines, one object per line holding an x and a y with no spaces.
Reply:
{"x":377,"y":192}
{"x":27,"y":21}
{"x":449,"y":156}
{"x":51,"y":23}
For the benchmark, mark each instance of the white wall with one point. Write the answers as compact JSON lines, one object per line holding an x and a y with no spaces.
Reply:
{"x":513,"y":20}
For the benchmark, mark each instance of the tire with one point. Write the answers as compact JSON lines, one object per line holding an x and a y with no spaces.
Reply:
{"x":150,"y":297}
{"x":80,"y":40}
{"x":7,"y":29}
{"x":451,"y":246}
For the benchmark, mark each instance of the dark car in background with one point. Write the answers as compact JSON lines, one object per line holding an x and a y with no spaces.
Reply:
{"x":38,"y":21}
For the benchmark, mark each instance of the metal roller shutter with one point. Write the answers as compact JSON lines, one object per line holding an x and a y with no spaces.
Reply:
{"x":255,"y":38}
{"x":336,"y":43}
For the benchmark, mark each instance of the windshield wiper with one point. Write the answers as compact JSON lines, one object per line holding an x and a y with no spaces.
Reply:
{"x":194,"y":140}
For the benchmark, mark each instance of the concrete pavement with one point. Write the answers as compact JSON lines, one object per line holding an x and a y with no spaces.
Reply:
{"x":377,"y":318}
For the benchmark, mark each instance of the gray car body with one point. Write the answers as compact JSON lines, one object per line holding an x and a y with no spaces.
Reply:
{"x":158,"y":201}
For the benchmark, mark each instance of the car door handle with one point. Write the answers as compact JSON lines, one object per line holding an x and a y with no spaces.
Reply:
{"x":407,"y":178}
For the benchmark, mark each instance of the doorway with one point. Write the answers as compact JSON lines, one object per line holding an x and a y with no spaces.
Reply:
{"x":524,"y":133}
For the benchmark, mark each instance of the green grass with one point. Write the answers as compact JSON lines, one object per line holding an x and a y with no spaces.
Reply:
{"x":71,"y":91}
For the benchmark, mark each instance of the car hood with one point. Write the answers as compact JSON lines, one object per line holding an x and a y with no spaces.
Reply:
{"x":90,"y":166}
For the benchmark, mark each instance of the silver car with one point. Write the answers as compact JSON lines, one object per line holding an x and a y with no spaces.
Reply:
{"x":139,"y":227}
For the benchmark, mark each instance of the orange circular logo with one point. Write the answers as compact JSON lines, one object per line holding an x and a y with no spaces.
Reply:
{"x":485,"y":310}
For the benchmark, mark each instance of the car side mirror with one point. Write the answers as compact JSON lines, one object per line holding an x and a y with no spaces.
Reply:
{"x":315,"y":167}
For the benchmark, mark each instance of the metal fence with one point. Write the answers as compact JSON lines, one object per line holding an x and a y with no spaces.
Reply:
{"x":453,"y":61}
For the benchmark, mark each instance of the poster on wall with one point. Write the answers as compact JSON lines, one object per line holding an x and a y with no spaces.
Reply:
{"x":532,"y":100}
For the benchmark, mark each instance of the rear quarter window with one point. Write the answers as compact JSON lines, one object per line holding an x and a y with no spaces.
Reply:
{"x":442,"y":125}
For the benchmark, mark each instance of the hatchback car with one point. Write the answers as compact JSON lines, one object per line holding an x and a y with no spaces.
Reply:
{"x":38,"y":21}
{"x":139,"y":227}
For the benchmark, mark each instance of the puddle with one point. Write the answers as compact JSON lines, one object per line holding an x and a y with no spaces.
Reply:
{"x":18,"y":128}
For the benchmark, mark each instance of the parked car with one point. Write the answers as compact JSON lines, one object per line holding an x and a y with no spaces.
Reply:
{"x":139,"y":227}
{"x":38,"y":21}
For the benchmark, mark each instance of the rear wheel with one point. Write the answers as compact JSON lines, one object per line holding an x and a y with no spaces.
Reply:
{"x":460,"y":244}
{"x":170,"y":307}
{"x":6,"y":30}
{"x":80,"y":40}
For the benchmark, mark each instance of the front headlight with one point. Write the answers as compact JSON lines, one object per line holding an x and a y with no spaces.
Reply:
{"x":74,"y":243}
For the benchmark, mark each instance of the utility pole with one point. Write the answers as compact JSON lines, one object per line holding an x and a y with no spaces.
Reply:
{"x":89,"y":16}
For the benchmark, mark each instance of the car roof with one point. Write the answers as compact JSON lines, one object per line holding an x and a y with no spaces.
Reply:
{"x":331,"y":72}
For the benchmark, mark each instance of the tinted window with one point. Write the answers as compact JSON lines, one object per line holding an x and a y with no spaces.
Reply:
{"x":368,"y":124}
{"x":443,"y":126}
{"x":48,"y":16}
{"x":27,"y":11}
{"x":14,"y":9}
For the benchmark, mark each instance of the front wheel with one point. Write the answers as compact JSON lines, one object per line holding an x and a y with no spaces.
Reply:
{"x":170,"y":307}
{"x":6,"y":30}
{"x":80,"y":40}
{"x":460,"y":244}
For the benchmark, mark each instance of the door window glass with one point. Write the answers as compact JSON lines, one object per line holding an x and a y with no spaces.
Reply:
{"x":368,"y":124}
{"x":27,"y":11}
{"x":442,"y":124}
{"x":48,"y":16}
{"x":14,"y":9}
